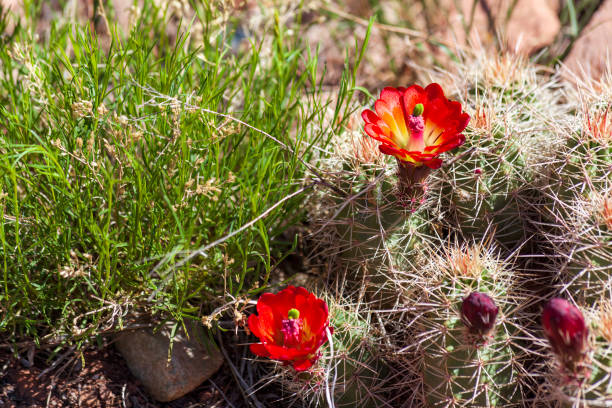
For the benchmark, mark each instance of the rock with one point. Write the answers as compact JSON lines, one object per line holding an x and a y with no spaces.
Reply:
{"x":311,"y":282}
{"x":15,"y":10}
{"x":193,"y":360}
{"x":121,"y":12}
{"x":591,"y":54}
{"x":533,"y":24}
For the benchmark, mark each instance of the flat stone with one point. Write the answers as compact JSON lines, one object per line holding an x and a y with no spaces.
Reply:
{"x":308,"y":281}
{"x":15,"y":10}
{"x":591,"y":54}
{"x":193,"y":360}
{"x":533,"y":24}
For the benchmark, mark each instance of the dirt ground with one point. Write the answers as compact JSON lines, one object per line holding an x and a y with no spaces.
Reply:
{"x":103,"y":381}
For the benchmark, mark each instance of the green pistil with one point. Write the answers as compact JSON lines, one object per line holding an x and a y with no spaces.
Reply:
{"x":418,"y":109}
{"x":293,"y":314}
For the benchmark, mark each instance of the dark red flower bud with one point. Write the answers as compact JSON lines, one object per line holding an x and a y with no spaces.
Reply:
{"x":566,"y":330}
{"x":478,"y":312}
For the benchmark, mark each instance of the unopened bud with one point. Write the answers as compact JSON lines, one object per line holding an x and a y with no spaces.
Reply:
{"x":478,"y":312}
{"x":566,"y":330}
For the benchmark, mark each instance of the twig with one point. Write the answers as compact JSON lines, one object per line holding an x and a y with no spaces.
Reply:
{"x":61,"y":358}
{"x":236,"y":374}
{"x":99,"y":13}
{"x":387,"y":27}
{"x":49,"y":394}
{"x":222,"y":393}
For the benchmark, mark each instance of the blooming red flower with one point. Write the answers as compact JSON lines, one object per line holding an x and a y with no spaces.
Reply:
{"x":566,"y":330}
{"x":415,"y":125}
{"x":291,"y":326}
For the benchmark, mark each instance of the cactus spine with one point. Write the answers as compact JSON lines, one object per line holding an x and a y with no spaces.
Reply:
{"x":464,"y":365}
{"x":510,"y":138}
{"x":590,"y":383}
{"x":356,"y":371}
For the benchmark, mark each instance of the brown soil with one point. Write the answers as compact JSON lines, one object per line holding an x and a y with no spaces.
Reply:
{"x":102,"y":381}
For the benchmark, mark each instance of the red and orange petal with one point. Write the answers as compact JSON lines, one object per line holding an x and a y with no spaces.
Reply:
{"x":427,"y":159}
{"x":303,"y":365}
{"x":267,"y":326}
{"x":259,"y":349}
{"x":444,"y":122}
{"x":301,"y":359}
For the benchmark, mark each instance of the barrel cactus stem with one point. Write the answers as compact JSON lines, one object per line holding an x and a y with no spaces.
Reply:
{"x":607,"y":211}
{"x":412,"y":186}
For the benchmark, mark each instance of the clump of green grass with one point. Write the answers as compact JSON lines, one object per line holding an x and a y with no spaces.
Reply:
{"x":152,"y":178}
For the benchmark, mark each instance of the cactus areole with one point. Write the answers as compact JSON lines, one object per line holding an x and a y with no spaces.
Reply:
{"x":291,"y":326}
{"x":478,"y":312}
{"x":566,"y":331}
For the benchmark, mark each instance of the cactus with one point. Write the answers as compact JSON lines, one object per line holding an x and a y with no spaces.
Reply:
{"x":364,"y":224}
{"x":468,"y":329}
{"x":586,"y":161}
{"x":586,"y":381}
{"x":510,"y":138}
{"x":573,"y":209}
{"x":480,"y":190}
{"x":355,"y":373}
{"x":582,"y":242}
{"x":521,"y":163}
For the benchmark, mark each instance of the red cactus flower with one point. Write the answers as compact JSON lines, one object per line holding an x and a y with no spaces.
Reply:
{"x":566,"y":330}
{"x":291,"y":326}
{"x":478,"y":312}
{"x":415,"y":125}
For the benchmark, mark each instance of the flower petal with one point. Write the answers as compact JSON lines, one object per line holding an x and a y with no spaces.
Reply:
{"x":414,"y":94}
{"x":369,"y":116}
{"x":303,"y":365}
{"x":255,"y":327}
{"x":259,"y":350}
{"x":443,"y":123}
{"x":433,"y":163}
{"x":315,"y":318}
{"x":389,"y":109}
{"x":286,"y":353}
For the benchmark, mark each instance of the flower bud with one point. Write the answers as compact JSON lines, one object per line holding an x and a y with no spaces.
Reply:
{"x":478,"y":312}
{"x":566,"y":330}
